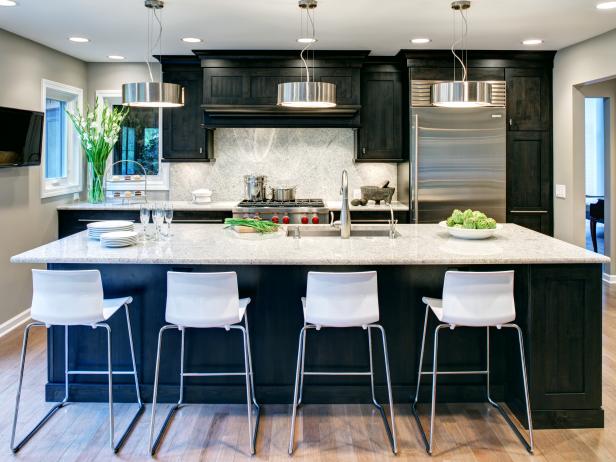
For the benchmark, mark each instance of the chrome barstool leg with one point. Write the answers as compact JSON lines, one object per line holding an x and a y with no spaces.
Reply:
{"x":154,"y":447}
{"x":424,"y":437}
{"x":251,"y":435}
{"x":391,"y":431}
{"x":301,"y":376}
{"x":252,"y":385}
{"x":110,"y":384}
{"x":16,"y":447}
{"x":527,"y":444}
{"x":141,"y":407}
{"x":302,"y":335}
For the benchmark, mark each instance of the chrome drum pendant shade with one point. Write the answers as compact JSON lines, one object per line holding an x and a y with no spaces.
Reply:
{"x":307,"y":95}
{"x":461,"y":94}
{"x":152,"y":94}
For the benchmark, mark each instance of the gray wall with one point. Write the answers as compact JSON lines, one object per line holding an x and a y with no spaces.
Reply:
{"x":26,"y":220}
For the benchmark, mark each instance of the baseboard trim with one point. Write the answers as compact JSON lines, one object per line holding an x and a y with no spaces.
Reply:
{"x":609,"y":278}
{"x":13,"y":323}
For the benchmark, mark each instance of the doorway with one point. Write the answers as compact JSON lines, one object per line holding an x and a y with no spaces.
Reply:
{"x":596,"y":112}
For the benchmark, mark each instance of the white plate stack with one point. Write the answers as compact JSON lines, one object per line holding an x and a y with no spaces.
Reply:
{"x":119,"y":238}
{"x":98,"y":228}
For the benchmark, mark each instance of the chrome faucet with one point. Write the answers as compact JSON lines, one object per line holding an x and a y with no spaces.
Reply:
{"x":345,"y":213}
{"x":392,"y":223}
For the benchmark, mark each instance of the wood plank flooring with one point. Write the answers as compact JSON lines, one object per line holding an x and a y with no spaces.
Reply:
{"x":469,"y":432}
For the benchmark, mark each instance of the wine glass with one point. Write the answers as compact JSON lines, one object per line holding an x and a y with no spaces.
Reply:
{"x":144,"y":217}
{"x":168,"y":217}
{"x":158,"y":216}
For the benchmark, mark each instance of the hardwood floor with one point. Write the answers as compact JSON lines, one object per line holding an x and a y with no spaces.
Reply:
{"x":473,"y":432}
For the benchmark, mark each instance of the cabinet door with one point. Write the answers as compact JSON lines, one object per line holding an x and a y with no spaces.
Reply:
{"x":529,"y":180}
{"x":381,"y":134}
{"x":184,"y":138}
{"x":529,"y":99}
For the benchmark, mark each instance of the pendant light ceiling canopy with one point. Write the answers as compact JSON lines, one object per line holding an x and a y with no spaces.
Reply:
{"x":307,"y":94}
{"x":461,"y":93}
{"x":153,"y":93}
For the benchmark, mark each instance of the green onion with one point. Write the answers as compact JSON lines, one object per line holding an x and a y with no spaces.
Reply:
{"x":260,"y":226}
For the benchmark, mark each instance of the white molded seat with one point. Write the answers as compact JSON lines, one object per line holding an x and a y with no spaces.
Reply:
{"x":70,"y":298}
{"x":341,"y":299}
{"x":475,"y":299}
{"x":204,"y":299}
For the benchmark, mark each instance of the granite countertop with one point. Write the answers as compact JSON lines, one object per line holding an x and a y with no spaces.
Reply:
{"x":417,"y":245}
{"x":222,"y":206}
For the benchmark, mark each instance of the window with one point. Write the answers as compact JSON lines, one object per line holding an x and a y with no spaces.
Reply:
{"x":139,"y":140}
{"x":61,"y":166}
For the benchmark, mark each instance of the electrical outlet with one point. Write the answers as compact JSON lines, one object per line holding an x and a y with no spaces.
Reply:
{"x":357,"y":194}
{"x":561,"y":191}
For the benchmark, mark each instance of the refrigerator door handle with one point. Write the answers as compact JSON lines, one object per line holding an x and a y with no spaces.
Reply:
{"x":415,"y":169}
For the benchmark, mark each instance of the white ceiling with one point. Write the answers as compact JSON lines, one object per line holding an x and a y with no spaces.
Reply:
{"x":383,"y":26}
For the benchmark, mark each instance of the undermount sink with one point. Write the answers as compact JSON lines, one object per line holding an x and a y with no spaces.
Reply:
{"x":328,"y":231}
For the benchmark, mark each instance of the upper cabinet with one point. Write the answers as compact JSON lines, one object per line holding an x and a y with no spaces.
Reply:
{"x":185,"y":139}
{"x":380,"y":137}
{"x":240,"y":88}
{"x":529,"y":98}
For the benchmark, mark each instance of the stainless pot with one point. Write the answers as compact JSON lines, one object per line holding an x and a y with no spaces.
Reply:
{"x":255,"y":187}
{"x":283,"y":193}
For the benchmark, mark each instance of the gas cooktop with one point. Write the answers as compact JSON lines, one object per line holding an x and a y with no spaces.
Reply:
{"x":312,"y":203}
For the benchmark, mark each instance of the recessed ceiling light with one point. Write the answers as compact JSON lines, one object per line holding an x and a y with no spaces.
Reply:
{"x":606,"y":5}
{"x":192,"y":40}
{"x":306,"y":40}
{"x":420,"y":40}
{"x":116,"y":57}
{"x":8,"y":3}
{"x":531,"y":42}
{"x":79,"y":39}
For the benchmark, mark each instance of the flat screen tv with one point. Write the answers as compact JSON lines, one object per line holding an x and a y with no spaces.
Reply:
{"x":21,"y":137}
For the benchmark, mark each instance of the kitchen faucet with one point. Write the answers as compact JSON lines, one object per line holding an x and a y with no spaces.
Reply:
{"x":392,"y":223}
{"x":345,"y":213}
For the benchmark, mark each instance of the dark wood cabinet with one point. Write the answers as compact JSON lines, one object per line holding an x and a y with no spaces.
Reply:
{"x":381,"y":135}
{"x":74,"y":221}
{"x":184,"y":137}
{"x":529,"y":98}
{"x":529,"y":180}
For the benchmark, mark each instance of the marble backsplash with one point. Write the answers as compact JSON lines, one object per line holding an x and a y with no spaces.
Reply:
{"x":310,"y":158}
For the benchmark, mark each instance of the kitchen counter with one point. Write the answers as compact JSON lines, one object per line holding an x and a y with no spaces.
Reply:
{"x":224,"y":206}
{"x":416,"y":245}
{"x":557,"y":288}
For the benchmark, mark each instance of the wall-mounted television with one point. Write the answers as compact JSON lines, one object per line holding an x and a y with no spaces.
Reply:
{"x":21,"y":137}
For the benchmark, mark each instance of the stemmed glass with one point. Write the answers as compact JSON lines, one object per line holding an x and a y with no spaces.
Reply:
{"x":168,"y":217}
{"x":158,"y":215}
{"x":144,"y":217}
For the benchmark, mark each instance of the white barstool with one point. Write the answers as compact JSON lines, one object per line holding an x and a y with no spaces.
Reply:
{"x":75,"y":298}
{"x":473,"y":299}
{"x":205,"y":301}
{"x":342,"y":300}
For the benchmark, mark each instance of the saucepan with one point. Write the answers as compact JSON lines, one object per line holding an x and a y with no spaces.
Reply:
{"x":283,"y":193}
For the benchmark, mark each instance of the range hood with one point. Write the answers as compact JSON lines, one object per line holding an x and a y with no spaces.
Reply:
{"x":240,"y":88}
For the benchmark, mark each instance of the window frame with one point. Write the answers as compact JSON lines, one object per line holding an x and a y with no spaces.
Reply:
{"x":158,"y":182}
{"x":73,"y":182}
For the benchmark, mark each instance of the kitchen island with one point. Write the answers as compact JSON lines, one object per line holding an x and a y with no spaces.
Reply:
{"x":558,"y":301}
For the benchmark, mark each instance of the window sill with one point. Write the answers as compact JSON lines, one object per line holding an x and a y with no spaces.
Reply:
{"x":48,"y":192}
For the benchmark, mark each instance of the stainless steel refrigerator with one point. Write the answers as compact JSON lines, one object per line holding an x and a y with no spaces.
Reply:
{"x":457,"y":162}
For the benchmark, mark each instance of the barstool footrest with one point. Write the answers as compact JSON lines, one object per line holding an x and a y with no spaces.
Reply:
{"x":456,"y":373}
{"x":38,"y":426}
{"x":100,"y":372}
{"x":336,"y":373}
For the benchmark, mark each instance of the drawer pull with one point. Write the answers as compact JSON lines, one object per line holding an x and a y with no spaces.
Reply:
{"x":85,"y":220}
{"x":198,"y":221}
{"x":529,"y":211}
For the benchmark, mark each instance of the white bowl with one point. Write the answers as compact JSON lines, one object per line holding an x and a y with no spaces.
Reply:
{"x":463,"y":233}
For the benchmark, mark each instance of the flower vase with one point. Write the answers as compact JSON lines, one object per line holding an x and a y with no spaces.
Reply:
{"x":96,"y":191}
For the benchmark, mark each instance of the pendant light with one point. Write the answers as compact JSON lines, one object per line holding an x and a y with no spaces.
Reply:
{"x":307,"y":94}
{"x":461,"y":93}
{"x":153,"y":93}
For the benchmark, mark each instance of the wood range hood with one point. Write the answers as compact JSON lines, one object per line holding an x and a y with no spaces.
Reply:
{"x":240,"y":87}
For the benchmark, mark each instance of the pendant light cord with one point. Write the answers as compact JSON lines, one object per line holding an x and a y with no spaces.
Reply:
{"x":308,"y":45}
{"x":456,"y":42}
{"x":152,"y":46}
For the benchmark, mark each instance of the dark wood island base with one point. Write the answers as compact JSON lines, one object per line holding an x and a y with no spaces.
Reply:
{"x":558,"y":308}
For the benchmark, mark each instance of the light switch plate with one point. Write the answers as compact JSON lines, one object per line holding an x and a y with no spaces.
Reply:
{"x":561,"y":191}
{"x":357,"y":194}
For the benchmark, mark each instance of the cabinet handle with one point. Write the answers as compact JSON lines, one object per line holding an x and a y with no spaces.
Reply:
{"x":363,"y":150}
{"x":198,"y":221}
{"x":511,"y":122}
{"x":200,"y":150}
{"x":529,"y":211}
{"x":84,"y":220}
